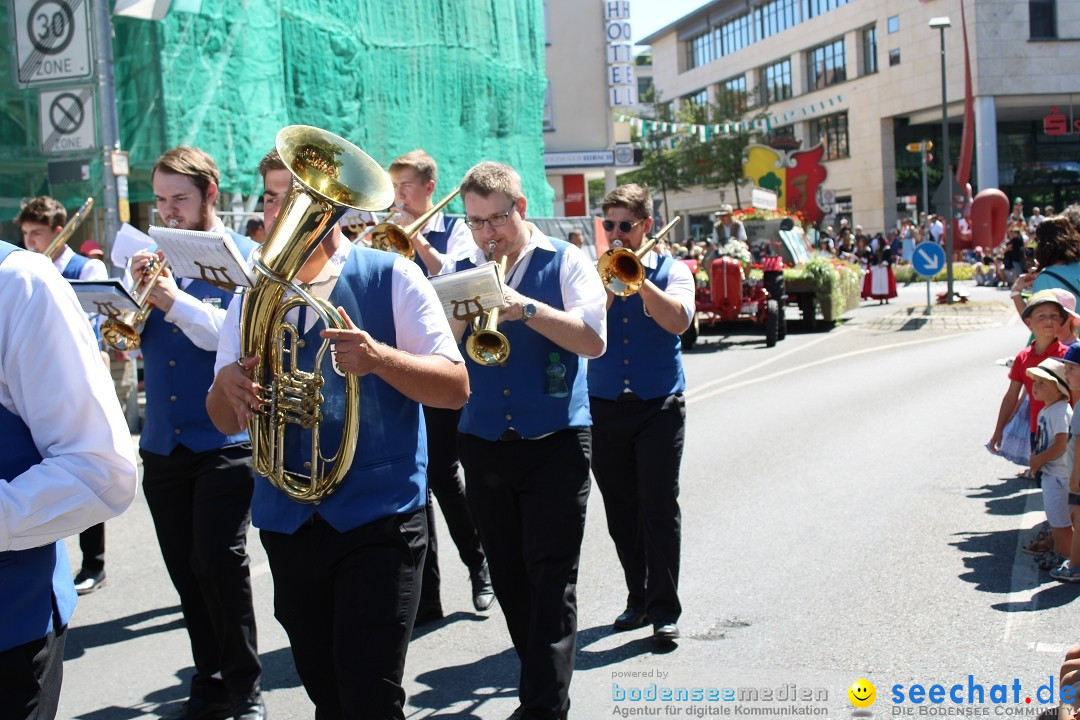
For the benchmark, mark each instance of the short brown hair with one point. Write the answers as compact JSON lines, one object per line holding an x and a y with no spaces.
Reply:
{"x":489,"y":177}
{"x":420,"y":161}
{"x":1056,"y":241}
{"x":635,"y":198}
{"x":271,"y":161}
{"x":190,"y":162}
{"x":43,"y":210}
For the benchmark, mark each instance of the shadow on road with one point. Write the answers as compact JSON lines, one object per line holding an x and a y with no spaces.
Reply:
{"x":83,"y":637}
{"x":476,"y":683}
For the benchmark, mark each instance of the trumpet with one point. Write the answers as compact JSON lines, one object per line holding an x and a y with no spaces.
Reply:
{"x":124,"y":331}
{"x":621,"y":269}
{"x":69,"y":229}
{"x":486,"y":345}
{"x":394,"y":238}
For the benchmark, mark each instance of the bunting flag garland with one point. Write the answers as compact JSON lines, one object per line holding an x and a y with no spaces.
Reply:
{"x":706,"y":131}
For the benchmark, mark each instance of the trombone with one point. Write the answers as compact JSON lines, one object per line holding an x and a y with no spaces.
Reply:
{"x":395,"y":238}
{"x":621,"y":269}
{"x":486,"y":345}
{"x":124,"y":331}
{"x":69,"y":229}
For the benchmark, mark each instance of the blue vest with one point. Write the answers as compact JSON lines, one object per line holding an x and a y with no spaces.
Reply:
{"x":512,"y":396}
{"x":641,"y":356}
{"x":74,"y":267}
{"x":438,"y":240}
{"x":37,"y":593}
{"x":388,"y":475}
{"x":178,"y":375}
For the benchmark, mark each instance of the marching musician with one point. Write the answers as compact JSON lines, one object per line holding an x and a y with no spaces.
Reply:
{"x":41,"y":220}
{"x":347,"y":570}
{"x":525,"y":438}
{"x":66,"y":463}
{"x":414,"y":175}
{"x":198,"y":481}
{"x":639,"y":417}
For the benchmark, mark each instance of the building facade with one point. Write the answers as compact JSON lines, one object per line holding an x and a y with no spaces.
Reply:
{"x":863,"y":78}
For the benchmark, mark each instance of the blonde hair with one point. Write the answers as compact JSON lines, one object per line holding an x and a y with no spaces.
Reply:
{"x":420,"y":161}
{"x":190,"y":162}
{"x":488,"y":177}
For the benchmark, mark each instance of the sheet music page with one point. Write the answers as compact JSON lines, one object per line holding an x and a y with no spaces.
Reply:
{"x":469,"y":292}
{"x":207,"y":256}
{"x":104,"y":297}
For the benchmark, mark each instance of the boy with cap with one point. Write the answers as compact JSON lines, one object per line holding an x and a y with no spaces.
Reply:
{"x":1069,"y":571}
{"x":1045,"y":316}
{"x":1051,"y":457}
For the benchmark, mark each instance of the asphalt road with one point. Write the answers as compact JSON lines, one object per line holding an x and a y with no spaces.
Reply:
{"x":841,"y":521}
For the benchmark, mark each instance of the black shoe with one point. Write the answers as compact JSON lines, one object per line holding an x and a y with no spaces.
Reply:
{"x":665,"y":633}
{"x":250,"y":711}
{"x":199,"y":709}
{"x":631,"y":619}
{"x":483,"y":595}
{"x":87,"y":582}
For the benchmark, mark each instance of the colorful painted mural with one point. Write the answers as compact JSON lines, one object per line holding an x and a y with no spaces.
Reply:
{"x":796,"y":177}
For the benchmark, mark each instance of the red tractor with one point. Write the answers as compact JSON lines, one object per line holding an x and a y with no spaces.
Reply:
{"x":726,"y":297}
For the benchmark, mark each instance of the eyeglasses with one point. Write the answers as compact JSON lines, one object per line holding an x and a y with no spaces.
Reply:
{"x":624,"y":225}
{"x":496,"y":221}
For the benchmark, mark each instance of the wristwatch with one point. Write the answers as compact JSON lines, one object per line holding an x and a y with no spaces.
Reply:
{"x":528,"y":312}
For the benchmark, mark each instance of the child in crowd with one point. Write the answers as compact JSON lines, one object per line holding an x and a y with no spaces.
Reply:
{"x":1069,"y":571}
{"x":1051,"y":458}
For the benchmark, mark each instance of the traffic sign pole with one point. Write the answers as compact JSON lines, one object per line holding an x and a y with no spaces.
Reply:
{"x":110,"y":128}
{"x":928,"y":260}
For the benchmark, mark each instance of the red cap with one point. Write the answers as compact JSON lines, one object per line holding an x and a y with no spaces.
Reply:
{"x":91,"y":249}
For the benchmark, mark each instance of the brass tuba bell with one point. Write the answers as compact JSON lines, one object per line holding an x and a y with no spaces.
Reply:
{"x":330,"y":176}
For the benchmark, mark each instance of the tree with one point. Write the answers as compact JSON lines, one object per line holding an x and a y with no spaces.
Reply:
{"x":660,"y":164}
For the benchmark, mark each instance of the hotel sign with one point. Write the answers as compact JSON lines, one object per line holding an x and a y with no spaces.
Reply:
{"x":622,"y":83}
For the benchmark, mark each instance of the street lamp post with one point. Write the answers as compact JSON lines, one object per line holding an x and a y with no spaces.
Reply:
{"x":941,"y":23}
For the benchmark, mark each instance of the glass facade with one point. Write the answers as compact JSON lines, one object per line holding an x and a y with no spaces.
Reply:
{"x":776,"y":81}
{"x":826,"y":65}
{"x":731,"y":96}
{"x":869,"y":41}
{"x":832,"y":131}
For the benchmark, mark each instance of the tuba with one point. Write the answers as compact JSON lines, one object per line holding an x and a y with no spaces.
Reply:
{"x":124,"y":331}
{"x":330,"y":176}
{"x":486,"y":345}
{"x":70,"y":227}
{"x":621,"y":268}
{"x":394,"y":238}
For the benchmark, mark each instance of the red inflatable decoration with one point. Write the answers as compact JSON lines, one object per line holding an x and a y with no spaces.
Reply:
{"x":989,"y":211}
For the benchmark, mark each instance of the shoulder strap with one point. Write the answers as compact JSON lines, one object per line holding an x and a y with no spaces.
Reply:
{"x":1068,"y":285}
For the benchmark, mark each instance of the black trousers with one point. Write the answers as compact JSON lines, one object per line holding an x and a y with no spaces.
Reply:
{"x":201,"y":505}
{"x":637,"y":451}
{"x":348,"y":601}
{"x":528,"y":498}
{"x":444,"y":480}
{"x":92,"y":545}
{"x":30,"y":678}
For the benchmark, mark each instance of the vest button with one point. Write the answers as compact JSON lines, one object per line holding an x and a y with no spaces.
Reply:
{"x":509,"y":417}
{"x":624,"y":299}
{"x":175,"y":330}
{"x":625,"y":320}
{"x":626,"y":361}
{"x":176,"y":431}
{"x":506,"y":392}
{"x":626,"y":341}
{"x":172,"y":398}
{"x":626,"y":382}
{"x":172,"y":363}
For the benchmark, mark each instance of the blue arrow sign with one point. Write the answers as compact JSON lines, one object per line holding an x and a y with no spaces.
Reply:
{"x":929,"y":259}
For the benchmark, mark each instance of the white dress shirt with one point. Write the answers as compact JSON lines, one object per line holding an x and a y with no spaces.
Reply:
{"x":198,"y":318}
{"x":52,"y":377}
{"x":457,"y":245}
{"x":92,"y":270}
{"x":680,"y":284}
{"x":583,"y":292}
{"x":420,"y":325}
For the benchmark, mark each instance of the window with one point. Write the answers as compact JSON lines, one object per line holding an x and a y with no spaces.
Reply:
{"x":894,"y":57}
{"x":813,"y":8}
{"x":831,"y":131}
{"x":869,"y":45}
{"x":776,"y":81}
{"x":699,"y":50}
{"x":775,"y":17}
{"x":731,"y":97}
{"x":735,"y":34}
{"x":697,"y":101}
{"x":894,"y":24}
{"x":1043,"y":17}
{"x":826,"y":65}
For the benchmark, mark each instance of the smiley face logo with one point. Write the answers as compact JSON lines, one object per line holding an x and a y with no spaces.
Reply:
{"x":862,"y":693}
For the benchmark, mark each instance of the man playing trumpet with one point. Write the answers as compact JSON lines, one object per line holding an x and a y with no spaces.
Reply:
{"x":525,"y":436}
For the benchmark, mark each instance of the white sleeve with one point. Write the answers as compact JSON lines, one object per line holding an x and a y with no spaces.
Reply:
{"x":52,"y":377}
{"x":458,"y":246}
{"x":583,"y":292}
{"x":200,"y":321}
{"x":421,"y":326}
{"x":94,"y":270}
{"x":681,"y":285}
{"x":228,"y":347}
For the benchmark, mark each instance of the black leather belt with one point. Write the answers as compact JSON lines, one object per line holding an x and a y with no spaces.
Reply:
{"x":627,"y":397}
{"x":510,"y":435}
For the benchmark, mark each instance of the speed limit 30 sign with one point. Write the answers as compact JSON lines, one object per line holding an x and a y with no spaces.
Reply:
{"x":52,"y":41}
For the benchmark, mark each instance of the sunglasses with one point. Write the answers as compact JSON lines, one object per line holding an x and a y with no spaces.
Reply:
{"x":624,"y":225}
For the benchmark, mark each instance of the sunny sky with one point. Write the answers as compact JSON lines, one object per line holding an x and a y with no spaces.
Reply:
{"x":648,"y":16}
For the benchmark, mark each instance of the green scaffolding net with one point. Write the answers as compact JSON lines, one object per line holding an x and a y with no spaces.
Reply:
{"x":462,"y":79}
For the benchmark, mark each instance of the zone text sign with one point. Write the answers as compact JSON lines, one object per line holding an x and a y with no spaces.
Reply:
{"x":67,"y":120}
{"x":52,"y":41}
